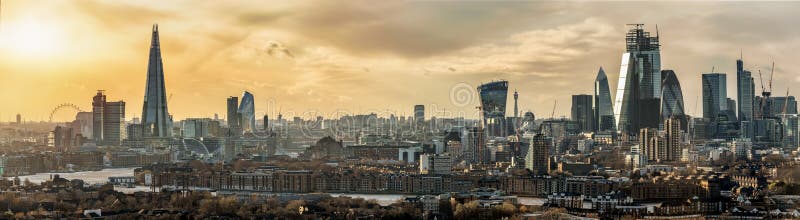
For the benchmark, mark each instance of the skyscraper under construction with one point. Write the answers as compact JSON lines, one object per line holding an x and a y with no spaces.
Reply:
{"x":639,"y":87}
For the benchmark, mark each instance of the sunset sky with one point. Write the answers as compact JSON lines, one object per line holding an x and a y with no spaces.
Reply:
{"x":368,"y":56}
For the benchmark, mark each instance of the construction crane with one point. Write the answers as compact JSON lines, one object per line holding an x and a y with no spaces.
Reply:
{"x":771,"y":73}
{"x":766,"y":93}
{"x":764,"y":96}
{"x":552,"y":118}
{"x":785,"y":103}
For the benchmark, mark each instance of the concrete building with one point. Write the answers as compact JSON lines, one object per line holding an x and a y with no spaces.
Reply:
{"x":538,"y":158}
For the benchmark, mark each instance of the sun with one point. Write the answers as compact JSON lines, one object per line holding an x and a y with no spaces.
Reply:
{"x":30,"y":37}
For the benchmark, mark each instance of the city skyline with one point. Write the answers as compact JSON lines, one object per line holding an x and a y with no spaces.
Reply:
{"x":282,"y":58}
{"x":320,"y":109}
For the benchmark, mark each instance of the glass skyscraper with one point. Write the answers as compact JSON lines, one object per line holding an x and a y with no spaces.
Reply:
{"x":234,"y":128}
{"x":98,"y":115}
{"x":247,"y":112}
{"x":714,"y":94}
{"x":582,"y":112}
{"x":604,"y":112}
{"x":493,"y":104}
{"x":155,"y":117}
{"x":671,"y":95}
{"x":419,"y":114}
{"x":639,"y":86}
{"x":745,"y":92}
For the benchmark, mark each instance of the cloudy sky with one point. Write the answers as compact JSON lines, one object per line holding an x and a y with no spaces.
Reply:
{"x":322,"y":57}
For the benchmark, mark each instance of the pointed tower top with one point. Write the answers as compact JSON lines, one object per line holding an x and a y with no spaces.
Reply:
{"x":601,"y":74}
{"x":741,"y":54}
{"x":155,"y":41}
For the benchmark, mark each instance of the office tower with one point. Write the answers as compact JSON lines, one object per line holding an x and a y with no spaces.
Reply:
{"x":730,"y":105}
{"x":98,"y":108}
{"x":435,"y":164}
{"x":196,"y":128}
{"x":672,"y":134}
{"x":83,"y":124}
{"x":780,"y":105}
{"x":61,"y":138}
{"x":247,"y":113}
{"x":114,"y":123}
{"x":419,"y":114}
{"x":648,"y":143}
{"x":537,"y":159}
{"x":639,"y":87}
{"x":741,"y":148}
{"x":233,"y":116}
{"x":493,"y":97}
{"x":604,"y":112}
{"x":108,"y":120}
{"x":135,"y":131}
{"x":791,"y":130}
{"x":745,"y":92}
{"x":155,"y":117}
{"x":582,"y":112}
{"x":726,"y":123}
{"x":473,"y":145}
{"x":714,"y":95}
{"x":671,"y":95}
{"x":19,"y":119}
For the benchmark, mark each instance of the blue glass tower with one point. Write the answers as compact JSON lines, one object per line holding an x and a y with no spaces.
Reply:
{"x":714,"y":95}
{"x":155,"y":117}
{"x":671,"y":95}
{"x":604,"y":112}
{"x":247,"y":112}
{"x":493,"y":104}
{"x":639,"y":85}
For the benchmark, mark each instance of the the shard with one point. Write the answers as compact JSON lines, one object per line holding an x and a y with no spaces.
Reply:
{"x":604,"y":112}
{"x":155,"y":117}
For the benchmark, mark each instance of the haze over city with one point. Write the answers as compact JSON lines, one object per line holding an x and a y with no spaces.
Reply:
{"x":369,"y":56}
{"x":428,"y":110}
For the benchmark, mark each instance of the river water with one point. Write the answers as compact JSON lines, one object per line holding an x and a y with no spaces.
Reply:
{"x":90,"y":177}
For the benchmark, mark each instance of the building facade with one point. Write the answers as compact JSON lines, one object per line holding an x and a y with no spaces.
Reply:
{"x":155,"y":117}
{"x":671,"y":96}
{"x":603,"y":109}
{"x":493,"y":97}
{"x":233,"y":116}
{"x":639,"y":85}
{"x":538,"y":156}
{"x":714,"y":94}
{"x":247,"y":113}
{"x":582,"y":112}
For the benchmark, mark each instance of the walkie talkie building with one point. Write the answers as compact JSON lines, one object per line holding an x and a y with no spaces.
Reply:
{"x":493,"y":104}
